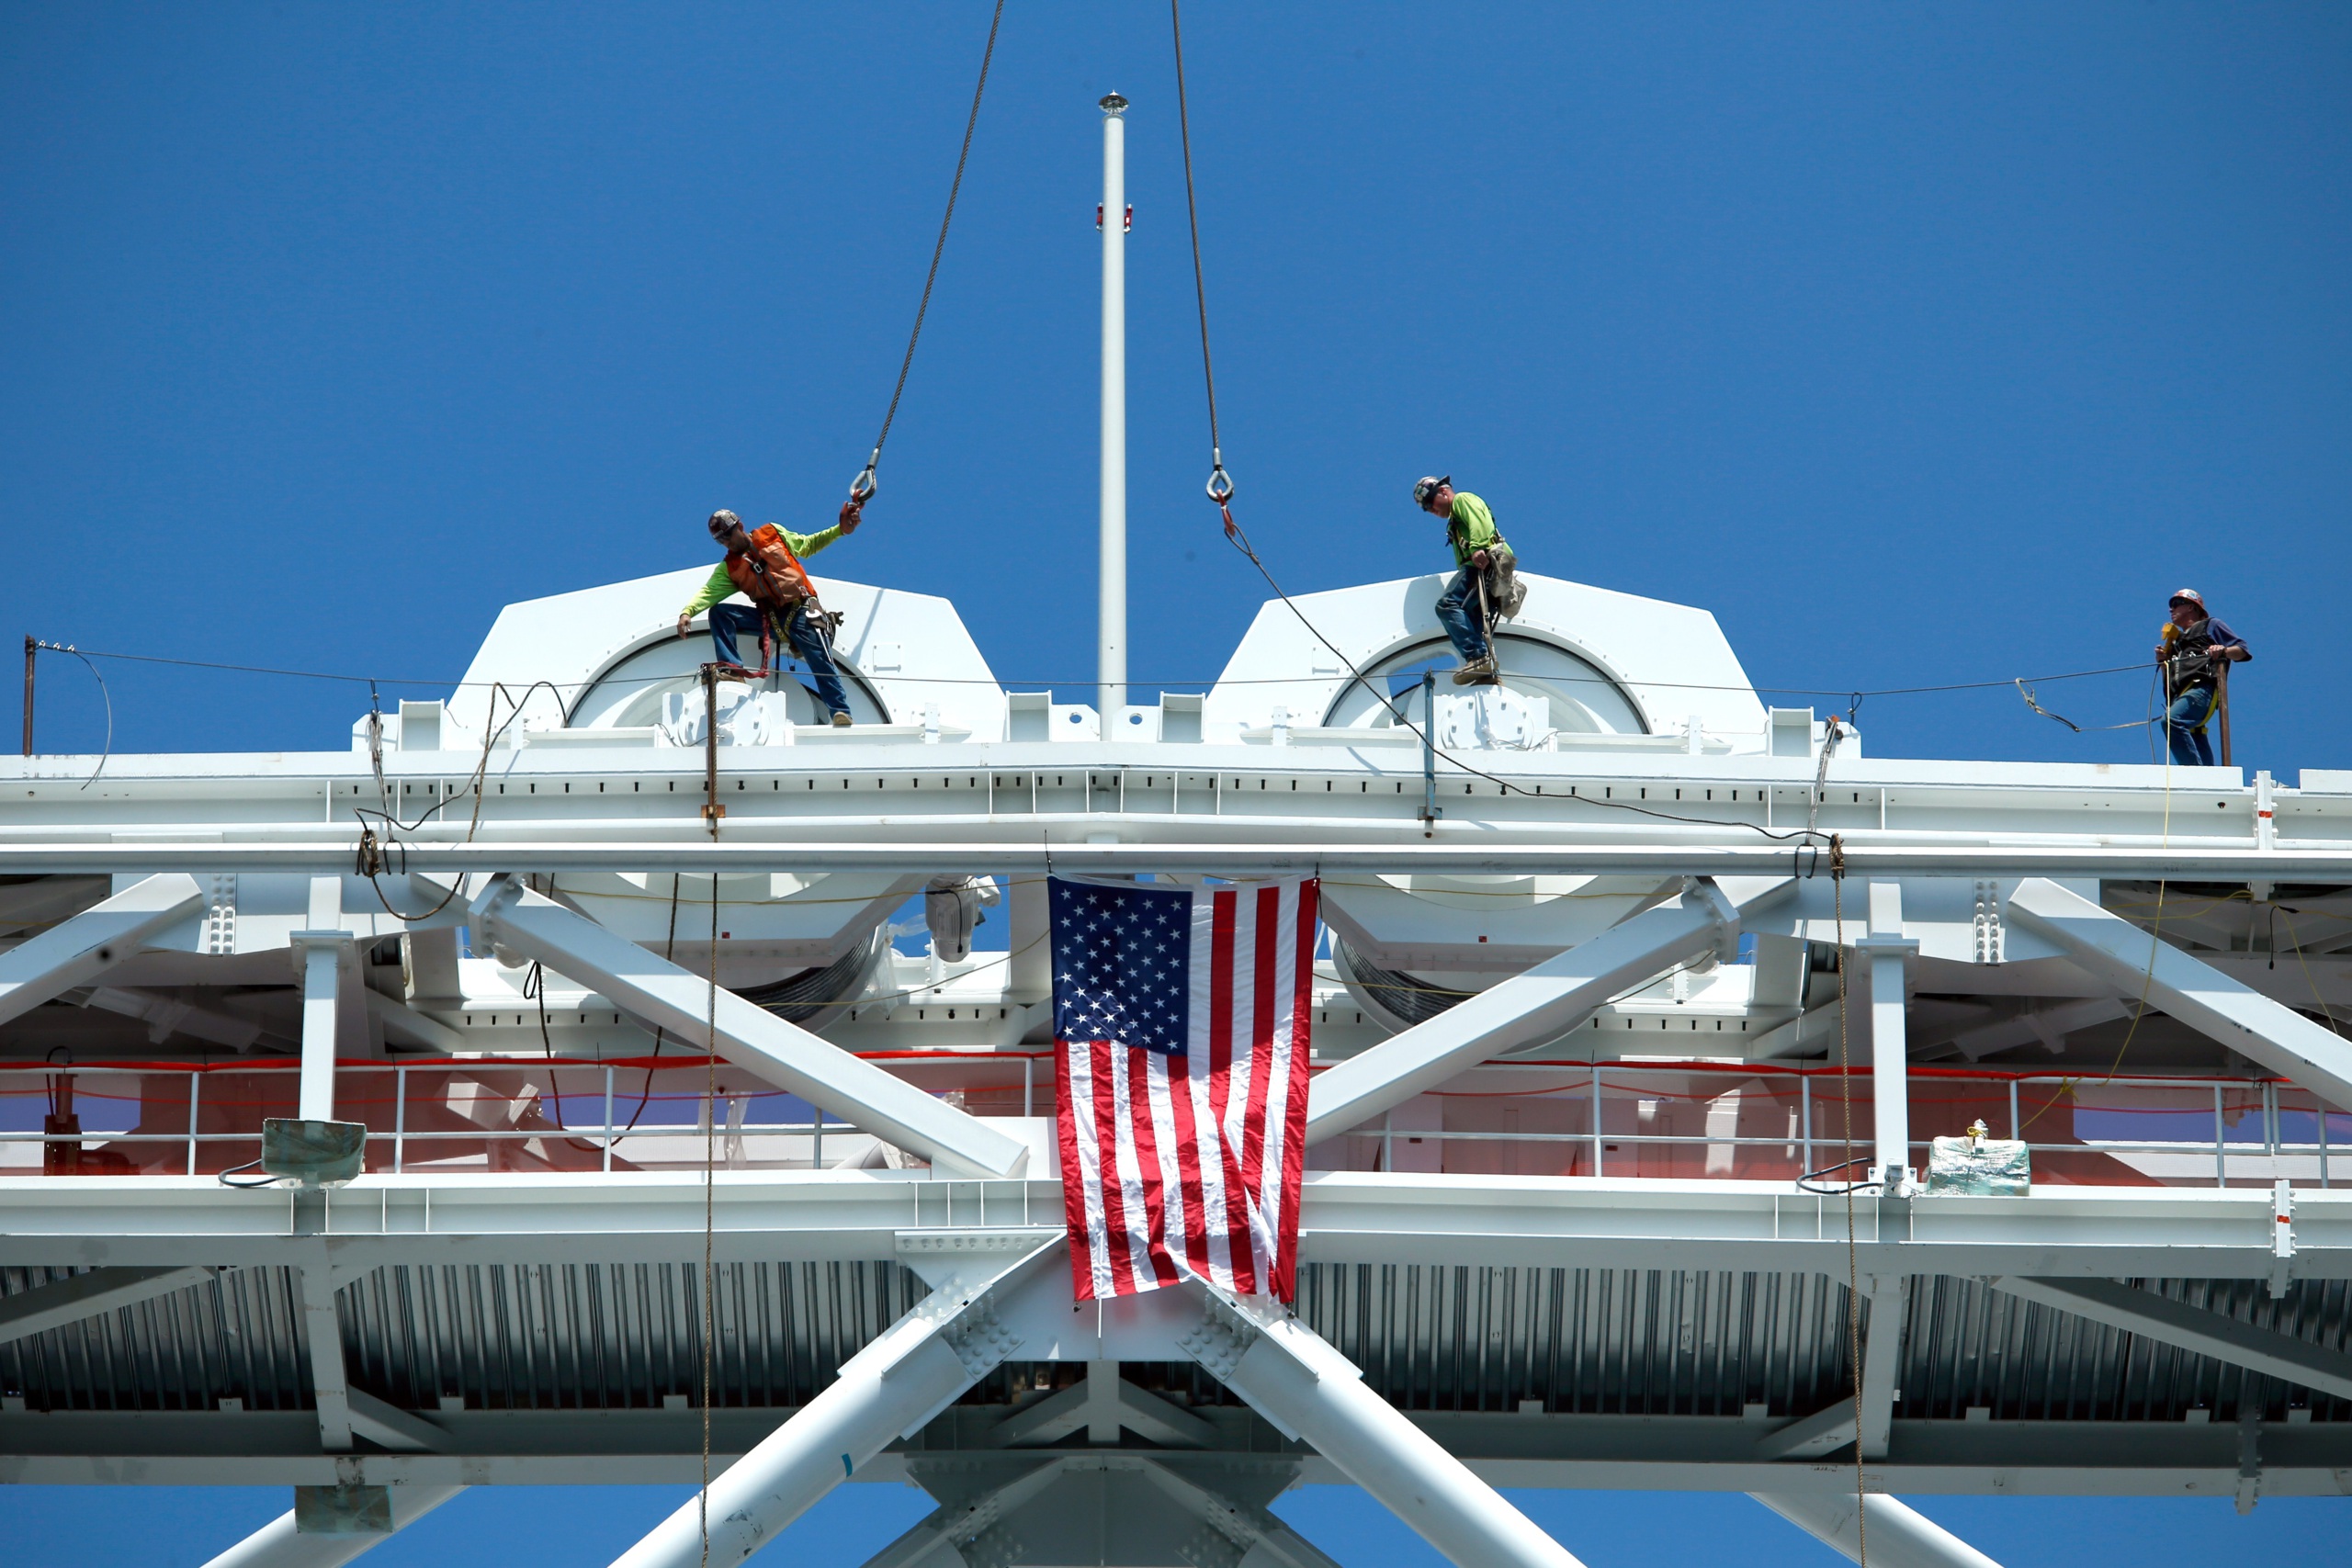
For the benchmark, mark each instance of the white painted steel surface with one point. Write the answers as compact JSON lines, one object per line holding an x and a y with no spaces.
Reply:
{"x":1306,"y":1388}
{"x":1897,"y":1535}
{"x":891,"y":1387}
{"x":278,"y":1544}
{"x":1550,"y":999}
{"x":511,"y":916}
{"x":2133,"y":961}
{"x":92,"y":942}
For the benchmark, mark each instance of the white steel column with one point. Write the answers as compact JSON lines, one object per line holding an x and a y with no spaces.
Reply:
{"x":904,"y":1377}
{"x":1898,"y":1536}
{"x":1111,"y":655}
{"x":2132,"y":962}
{"x":322,"y":1334}
{"x":1890,"y":1076}
{"x":279,"y":1545}
{"x":1295,"y":1380}
{"x":511,"y":918}
{"x":1548,"y":1000}
{"x":319,"y":950}
{"x":80,"y":950}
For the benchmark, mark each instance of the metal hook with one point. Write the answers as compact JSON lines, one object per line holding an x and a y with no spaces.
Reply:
{"x":862,"y":489}
{"x":1220,"y":485}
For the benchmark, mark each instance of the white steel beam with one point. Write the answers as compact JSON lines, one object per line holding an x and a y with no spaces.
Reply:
{"x":2199,"y":1330}
{"x":1261,"y":1537}
{"x":318,"y":955}
{"x":1897,"y":1535}
{"x":45,"y":1307}
{"x":905,"y":1376}
{"x":2130,"y":960}
{"x":75,"y":952}
{"x":387,"y":1424}
{"x":1885,"y":951}
{"x":1346,"y":1217}
{"x":1020,"y":845}
{"x":402,"y":1021}
{"x":1105,"y":1404}
{"x":949,"y":1535}
{"x":1548,"y":1000}
{"x":278,"y":1544}
{"x":1889,"y":1297}
{"x":512,"y":917}
{"x":1810,"y":1436}
{"x":1293,"y":1378}
{"x":323,"y":1337}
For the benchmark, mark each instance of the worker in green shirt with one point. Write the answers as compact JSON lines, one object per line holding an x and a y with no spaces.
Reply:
{"x":764,"y":565}
{"x":1480,"y":558}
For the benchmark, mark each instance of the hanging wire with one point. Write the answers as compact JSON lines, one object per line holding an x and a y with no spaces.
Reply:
{"x":862,"y":489}
{"x":1220,"y":490}
{"x":104,"y":696}
{"x":1040,"y":681}
{"x":1220,"y":485}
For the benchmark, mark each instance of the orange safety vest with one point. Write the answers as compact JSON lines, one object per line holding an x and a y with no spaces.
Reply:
{"x":769,"y":574}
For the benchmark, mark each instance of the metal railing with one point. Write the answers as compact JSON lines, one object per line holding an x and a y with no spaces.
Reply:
{"x":191,"y":1119}
{"x":1814,"y":1138}
{"x":542,"y":1108}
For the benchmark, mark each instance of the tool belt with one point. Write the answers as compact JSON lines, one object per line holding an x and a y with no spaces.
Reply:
{"x":775,"y":626}
{"x":2191,"y":664}
{"x":1504,"y":594}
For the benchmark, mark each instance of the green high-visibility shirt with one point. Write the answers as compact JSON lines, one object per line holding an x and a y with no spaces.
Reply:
{"x":1470,"y":528}
{"x":722,"y":585}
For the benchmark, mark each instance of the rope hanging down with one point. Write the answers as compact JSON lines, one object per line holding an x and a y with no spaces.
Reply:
{"x":862,"y":489}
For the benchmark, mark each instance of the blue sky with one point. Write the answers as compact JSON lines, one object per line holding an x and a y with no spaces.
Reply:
{"x":1923,"y":345}
{"x":523,"y":1527}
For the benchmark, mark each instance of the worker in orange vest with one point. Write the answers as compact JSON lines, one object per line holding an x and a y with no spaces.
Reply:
{"x":764,"y":565}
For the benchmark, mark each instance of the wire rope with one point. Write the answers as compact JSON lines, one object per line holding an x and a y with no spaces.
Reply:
{"x":862,"y":489}
{"x":1012,"y":682}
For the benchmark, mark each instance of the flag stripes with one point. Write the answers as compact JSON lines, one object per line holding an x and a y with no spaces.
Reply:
{"x":1186,"y":1164}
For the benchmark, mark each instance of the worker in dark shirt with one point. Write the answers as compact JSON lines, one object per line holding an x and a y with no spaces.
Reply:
{"x":2191,"y":651}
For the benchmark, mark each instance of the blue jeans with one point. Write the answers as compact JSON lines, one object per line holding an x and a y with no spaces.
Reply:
{"x":729,"y":622}
{"x":1457,"y":611}
{"x":2189,"y":746}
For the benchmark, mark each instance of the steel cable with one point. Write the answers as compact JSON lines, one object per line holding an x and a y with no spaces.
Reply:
{"x":862,"y":488}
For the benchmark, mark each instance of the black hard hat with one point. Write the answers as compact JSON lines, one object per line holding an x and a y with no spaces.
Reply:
{"x":1428,"y":485}
{"x":723,"y":522}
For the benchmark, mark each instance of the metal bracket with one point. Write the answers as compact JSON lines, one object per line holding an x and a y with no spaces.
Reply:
{"x":1988,"y":922}
{"x":2282,"y":1237}
{"x":1222,"y":1337}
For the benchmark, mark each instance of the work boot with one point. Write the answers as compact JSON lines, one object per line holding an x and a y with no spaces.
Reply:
{"x":841,"y":720}
{"x":1475,"y":670}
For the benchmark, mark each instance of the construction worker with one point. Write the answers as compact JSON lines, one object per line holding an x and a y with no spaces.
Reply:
{"x":1481,"y":559}
{"x":2193,"y":649}
{"x":764,"y":565}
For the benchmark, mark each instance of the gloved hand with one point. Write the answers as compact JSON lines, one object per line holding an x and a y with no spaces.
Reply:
{"x":851,"y":516}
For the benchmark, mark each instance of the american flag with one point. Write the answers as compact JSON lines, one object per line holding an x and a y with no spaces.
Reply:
{"x":1181,"y":1026}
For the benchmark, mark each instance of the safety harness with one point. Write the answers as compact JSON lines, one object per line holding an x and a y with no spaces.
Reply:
{"x":2189,"y":662}
{"x":772,"y":578}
